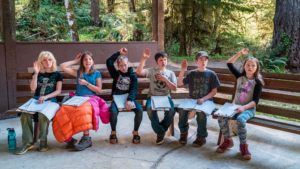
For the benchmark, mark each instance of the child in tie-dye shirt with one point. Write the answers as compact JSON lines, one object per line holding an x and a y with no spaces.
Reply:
{"x":248,"y":90}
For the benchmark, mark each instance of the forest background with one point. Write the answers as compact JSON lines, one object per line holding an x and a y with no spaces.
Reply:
{"x":221,"y":27}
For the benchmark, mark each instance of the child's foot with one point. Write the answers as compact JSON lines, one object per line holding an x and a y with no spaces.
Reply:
{"x":71,"y":144}
{"x":113,"y":139}
{"x":43,"y":146}
{"x":160,"y":139}
{"x":245,"y":152}
{"x":228,"y":143}
{"x":200,"y":141}
{"x":85,"y":142}
{"x":136,"y":139}
{"x":183,"y":138}
{"x":24,"y":149}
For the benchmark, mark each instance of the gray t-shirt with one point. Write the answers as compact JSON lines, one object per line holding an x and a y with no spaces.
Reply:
{"x":244,"y":91}
{"x":201,"y":83}
{"x":157,"y":87}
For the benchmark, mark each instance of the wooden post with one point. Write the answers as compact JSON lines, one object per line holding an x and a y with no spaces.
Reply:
{"x":158,"y":23}
{"x":9,"y":30}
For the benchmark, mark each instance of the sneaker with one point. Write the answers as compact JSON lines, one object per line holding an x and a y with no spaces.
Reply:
{"x":71,"y":144}
{"x":85,"y":142}
{"x":228,"y":143}
{"x":183,"y":138}
{"x":200,"y":141}
{"x":24,"y":149}
{"x":245,"y":152}
{"x":160,"y":139}
{"x":43,"y":146}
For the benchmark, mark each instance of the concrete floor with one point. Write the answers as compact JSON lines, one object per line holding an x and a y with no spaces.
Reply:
{"x":270,"y":148}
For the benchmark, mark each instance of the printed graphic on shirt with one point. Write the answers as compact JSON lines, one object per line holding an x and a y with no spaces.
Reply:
{"x":201,"y":87}
{"x":45,"y":85}
{"x":160,"y":86}
{"x":123,"y":83}
{"x":245,"y":90}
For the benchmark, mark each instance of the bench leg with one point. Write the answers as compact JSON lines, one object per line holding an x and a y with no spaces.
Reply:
{"x":171,"y":128}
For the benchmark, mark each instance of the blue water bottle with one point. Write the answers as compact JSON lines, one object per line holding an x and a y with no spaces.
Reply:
{"x":11,"y":139}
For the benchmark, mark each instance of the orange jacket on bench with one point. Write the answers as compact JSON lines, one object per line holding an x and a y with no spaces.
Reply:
{"x":70,"y":120}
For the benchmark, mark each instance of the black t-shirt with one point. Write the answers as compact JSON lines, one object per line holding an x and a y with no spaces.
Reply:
{"x":46,"y":83}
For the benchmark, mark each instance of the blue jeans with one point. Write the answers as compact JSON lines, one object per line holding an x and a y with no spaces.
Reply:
{"x":184,"y":125}
{"x":114,"y":115}
{"x":241,"y":120}
{"x":160,"y":127}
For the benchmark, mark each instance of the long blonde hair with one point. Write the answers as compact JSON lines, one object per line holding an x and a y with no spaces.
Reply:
{"x":47,"y":55}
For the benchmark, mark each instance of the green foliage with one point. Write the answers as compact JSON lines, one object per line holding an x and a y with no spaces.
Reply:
{"x":275,"y":60}
{"x":50,"y":22}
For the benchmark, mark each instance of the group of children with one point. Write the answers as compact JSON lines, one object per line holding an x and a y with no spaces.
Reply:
{"x":202,"y":83}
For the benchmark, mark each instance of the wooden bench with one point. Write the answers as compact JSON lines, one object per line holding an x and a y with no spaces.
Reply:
{"x":278,"y":91}
{"x":69,"y":84}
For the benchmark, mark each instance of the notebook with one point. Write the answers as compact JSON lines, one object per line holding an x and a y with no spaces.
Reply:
{"x":76,"y":101}
{"x":191,"y":104}
{"x":47,"y":108}
{"x":160,"y":103}
{"x":227,"y":110}
{"x":120,"y":101}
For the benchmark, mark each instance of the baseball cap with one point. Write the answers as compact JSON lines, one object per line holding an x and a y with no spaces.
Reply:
{"x":202,"y":54}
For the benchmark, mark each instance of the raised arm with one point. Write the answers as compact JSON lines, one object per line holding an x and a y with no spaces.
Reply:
{"x":240,"y":53}
{"x":66,"y":65}
{"x":184,"y":65}
{"x":140,"y":69}
{"x":33,"y":83}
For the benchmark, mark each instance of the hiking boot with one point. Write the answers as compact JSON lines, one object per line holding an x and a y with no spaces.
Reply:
{"x":245,"y":152}
{"x":113,"y":139}
{"x":183,"y":138}
{"x":85,"y":142}
{"x":228,"y":143}
{"x":160,"y":139}
{"x":200,"y":141}
{"x":43,"y":146}
{"x":71,"y":144}
{"x":24,"y":149}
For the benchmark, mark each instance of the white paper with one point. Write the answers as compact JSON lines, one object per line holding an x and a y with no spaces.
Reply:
{"x":47,"y":108}
{"x":160,"y":103}
{"x":76,"y":101}
{"x":191,"y":104}
{"x":120,"y":101}
{"x":227,"y":110}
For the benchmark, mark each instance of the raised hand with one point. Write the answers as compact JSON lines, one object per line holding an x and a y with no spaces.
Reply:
{"x":36,"y":67}
{"x":244,"y":51}
{"x":78,"y":57}
{"x":184,"y":65}
{"x":147,"y":53}
{"x":123,"y":51}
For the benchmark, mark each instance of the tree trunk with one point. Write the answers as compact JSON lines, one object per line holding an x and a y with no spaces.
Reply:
{"x":182,"y":31}
{"x":191,"y":30}
{"x":287,"y":20}
{"x":110,"y":5}
{"x":1,"y":22}
{"x":131,"y":5}
{"x":95,"y":12}
{"x":215,"y":31}
{"x":71,"y":20}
